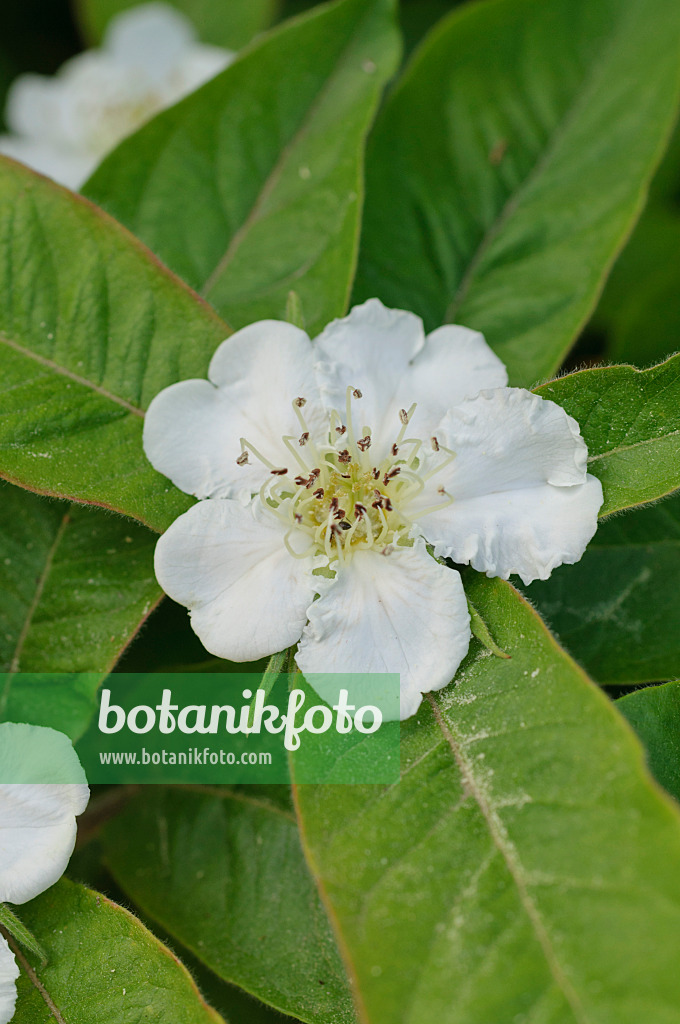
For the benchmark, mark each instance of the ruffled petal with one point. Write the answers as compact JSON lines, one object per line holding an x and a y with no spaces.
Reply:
{"x":9,"y":972}
{"x":370,"y":350}
{"x":527,"y":532}
{"x":37,"y":817}
{"x":192,"y":429}
{"x":456,"y":363}
{"x":248,"y":596}
{"x":402,"y":612}
{"x":502,"y":440}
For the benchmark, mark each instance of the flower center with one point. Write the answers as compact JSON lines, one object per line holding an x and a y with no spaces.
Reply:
{"x":339,"y":495}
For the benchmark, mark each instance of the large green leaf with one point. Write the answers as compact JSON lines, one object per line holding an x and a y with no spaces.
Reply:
{"x":654,"y":713}
{"x":228,"y":23}
{"x":252,"y":186}
{"x":75,"y":585}
{"x":223,"y":872}
{"x":525,"y":869}
{"x":639,"y":308}
{"x":630,"y":420}
{"x":103,"y":967}
{"x":509,"y":165}
{"x":618,"y":609}
{"x":91,"y":328}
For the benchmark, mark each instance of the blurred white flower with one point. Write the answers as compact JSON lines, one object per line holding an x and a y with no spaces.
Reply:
{"x":37,"y":823}
{"x":350,"y":455}
{"x":64,"y":125}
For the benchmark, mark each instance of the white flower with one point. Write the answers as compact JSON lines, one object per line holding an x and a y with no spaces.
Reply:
{"x":63,"y":126}
{"x":37,"y":823}
{"x":348,"y":455}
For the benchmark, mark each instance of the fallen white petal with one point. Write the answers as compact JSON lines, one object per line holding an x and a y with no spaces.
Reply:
{"x":402,"y":612}
{"x":37,"y":817}
{"x":228,"y":564}
{"x":9,"y":972}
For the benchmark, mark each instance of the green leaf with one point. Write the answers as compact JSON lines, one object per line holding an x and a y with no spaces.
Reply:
{"x":223,"y":872}
{"x":654,"y":713}
{"x":618,"y":609}
{"x":91,"y":328}
{"x":228,"y":23}
{"x":104,"y":967}
{"x":630,"y":420}
{"x":639,"y":307}
{"x":525,"y":869}
{"x":252,"y":186}
{"x":75,"y":585}
{"x":510,"y":163}
{"x":14,"y":927}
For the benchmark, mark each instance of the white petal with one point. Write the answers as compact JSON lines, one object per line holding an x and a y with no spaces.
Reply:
{"x":402,"y":612}
{"x":192,"y":429}
{"x":507,"y":439}
{"x":37,"y":817}
{"x":228,"y":564}
{"x":370,"y":350}
{"x":150,"y":36}
{"x":197,"y":65}
{"x":9,"y":972}
{"x":527,"y":532}
{"x":68,"y":168}
{"x":455,"y":363}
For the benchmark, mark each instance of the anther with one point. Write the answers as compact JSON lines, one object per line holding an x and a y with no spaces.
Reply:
{"x":340,"y":430}
{"x":299,"y":402}
{"x":441,"y":490}
{"x":435,"y":444}
{"x":340,"y":514}
{"x":313,"y":477}
{"x":344,"y":456}
{"x":357,"y":393}
{"x":298,"y":517}
{"x":300,"y":481}
{"x":377,"y":504}
{"x":376,"y":473}
{"x":304,"y":438}
{"x":387,"y":504}
{"x":319,"y":493}
{"x":391,"y":475}
{"x":395,"y":449}
{"x":279,"y":472}
{"x":334,"y":503}
{"x":242,"y":459}
{"x":359,"y":511}
{"x":346,"y":476}
{"x":403,"y":416}
{"x":364,"y":443}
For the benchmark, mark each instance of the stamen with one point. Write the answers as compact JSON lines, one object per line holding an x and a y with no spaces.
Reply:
{"x":435,"y":444}
{"x":344,"y":456}
{"x":359,"y":511}
{"x":303,"y":439}
{"x":403,"y":416}
{"x":319,"y":493}
{"x":341,"y":429}
{"x":280,"y":472}
{"x":395,"y":449}
{"x":391,"y":475}
{"x":364,"y":443}
{"x":300,"y":402}
{"x":376,"y":473}
{"x":242,"y":459}
{"x":357,"y":393}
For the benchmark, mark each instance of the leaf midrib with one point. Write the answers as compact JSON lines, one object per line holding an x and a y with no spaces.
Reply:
{"x":580,"y":99}
{"x":277,"y":170}
{"x":64,"y":372}
{"x":513,"y":865}
{"x":631,"y":447}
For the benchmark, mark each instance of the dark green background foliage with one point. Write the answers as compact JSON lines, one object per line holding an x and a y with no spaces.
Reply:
{"x":484,"y":162}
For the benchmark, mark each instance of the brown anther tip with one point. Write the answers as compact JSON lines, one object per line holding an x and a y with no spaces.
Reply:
{"x":298,"y":517}
{"x":242,"y":459}
{"x":377,"y":504}
{"x":435,"y":444}
{"x":395,"y":449}
{"x":299,"y":402}
{"x":376,"y":473}
{"x":388,"y":505}
{"x":346,"y":476}
{"x":303,"y":439}
{"x":403,"y":416}
{"x":340,"y":514}
{"x":441,"y":490}
{"x":279,"y":472}
{"x":387,"y":550}
{"x":318,"y":493}
{"x":334,"y":504}
{"x":344,"y":456}
{"x":359,"y":510}
{"x":391,"y":475}
{"x":340,"y":430}
{"x":301,"y":481}
{"x":364,"y":443}
{"x":357,"y":393}
{"x":315,"y":473}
